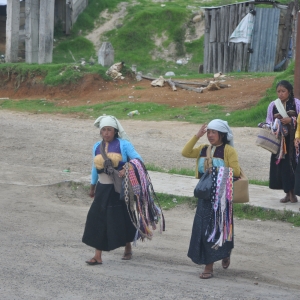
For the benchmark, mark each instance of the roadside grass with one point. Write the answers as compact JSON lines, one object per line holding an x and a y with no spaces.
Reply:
{"x":190,"y":172}
{"x":241,"y":211}
{"x":148,"y":111}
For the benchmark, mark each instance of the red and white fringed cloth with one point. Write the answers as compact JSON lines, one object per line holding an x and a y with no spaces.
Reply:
{"x":140,"y":199}
{"x":221,"y":223}
{"x":281,"y":131}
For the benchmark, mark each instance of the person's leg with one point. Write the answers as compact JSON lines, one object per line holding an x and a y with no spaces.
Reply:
{"x":97,"y":259}
{"x":127,"y":252}
{"x":226,"y":262}
{"x":208,"y":271}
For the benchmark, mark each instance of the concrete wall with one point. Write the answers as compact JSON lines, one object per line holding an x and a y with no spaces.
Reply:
{"x":67,"y":11}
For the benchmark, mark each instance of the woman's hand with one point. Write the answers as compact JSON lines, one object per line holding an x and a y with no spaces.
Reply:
{"x":296,"y":142}
{"x":285,"y":121}
{"x":122,"y":173}
{"x":92,"y":190}
{"x":202,"y":131}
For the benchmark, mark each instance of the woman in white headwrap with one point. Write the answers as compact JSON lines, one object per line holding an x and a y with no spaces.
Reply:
{"x":108,"y":225}
{"x":223,"y":154}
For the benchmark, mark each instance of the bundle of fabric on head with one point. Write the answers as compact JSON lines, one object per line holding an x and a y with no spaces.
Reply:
{"x":139,"y":192}
{"x":220,"y":226}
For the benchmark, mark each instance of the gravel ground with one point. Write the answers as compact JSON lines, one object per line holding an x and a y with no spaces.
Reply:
{"x":42,"y":256}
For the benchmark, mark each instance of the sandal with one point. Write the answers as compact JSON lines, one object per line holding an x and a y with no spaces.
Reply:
{"x":93,"y":261}
{"x":294,"y":200}
{"x":285,"y":200}
{"x":127,"y":256}
{"x":206,"y":275}
{"x":225,"y":262}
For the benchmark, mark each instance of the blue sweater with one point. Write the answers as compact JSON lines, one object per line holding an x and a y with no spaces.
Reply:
{"x":127,"y":151}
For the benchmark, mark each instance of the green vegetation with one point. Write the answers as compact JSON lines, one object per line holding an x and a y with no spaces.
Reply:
{"x":246,"y":211}
{"x":241,"y":211}
{"x":257,"y":113}
{"x":64,"y":51}
{"x":66,"y":73}
{"x":48,"y":74}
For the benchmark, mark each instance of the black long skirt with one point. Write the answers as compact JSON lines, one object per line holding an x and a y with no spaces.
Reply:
{"x":200,"y":251}
{"x":108,"y":224}
{"x":297,"y":180}
{"x":281,"y":175}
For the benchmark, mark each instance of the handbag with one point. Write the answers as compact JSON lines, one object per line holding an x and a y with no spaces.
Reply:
{"x":203,"y":187}
{"x":267,"y":140}
{"x":111,"y":171}
{"x":241,"y":189}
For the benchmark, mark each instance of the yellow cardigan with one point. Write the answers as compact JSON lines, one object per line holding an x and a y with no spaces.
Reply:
{"x":230,"y":156}
{"x":297,"y":135}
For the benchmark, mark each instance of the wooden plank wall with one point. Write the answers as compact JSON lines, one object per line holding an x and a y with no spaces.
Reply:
{"x":219,"y":55}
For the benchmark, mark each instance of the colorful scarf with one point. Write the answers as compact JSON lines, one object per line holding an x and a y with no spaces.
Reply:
{"x":220,"y":225}
{"x":147,"y":214}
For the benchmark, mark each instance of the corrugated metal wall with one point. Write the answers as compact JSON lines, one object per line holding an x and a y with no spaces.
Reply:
{"x":222,"y":56}
{"x":264,"y":40}
{"x":219,"y":54}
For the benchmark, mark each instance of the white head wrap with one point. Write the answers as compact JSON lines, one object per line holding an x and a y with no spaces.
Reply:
{"x":111,"y":121}
{"x":221,"y":126}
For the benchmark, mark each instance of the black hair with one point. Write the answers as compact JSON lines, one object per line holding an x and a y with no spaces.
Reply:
{"x":116,"y":133}
{"x":224,"y":139}
{"x":288,"y":86}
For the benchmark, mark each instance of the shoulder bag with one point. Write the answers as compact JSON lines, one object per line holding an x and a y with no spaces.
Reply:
{"x":203,"y":187}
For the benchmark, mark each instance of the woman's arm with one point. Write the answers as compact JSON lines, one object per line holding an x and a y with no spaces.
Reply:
{"x":270,"y":117}
{"x":232,"y":160}
{"x":189,"y":151}
{"x":130,"y":151}
{"x":94,"y":174}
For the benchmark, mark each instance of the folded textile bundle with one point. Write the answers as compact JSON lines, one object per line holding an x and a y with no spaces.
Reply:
{"x":139,"y":195}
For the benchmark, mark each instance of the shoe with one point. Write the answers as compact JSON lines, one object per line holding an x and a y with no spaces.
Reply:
{"x":93,"y":262}
{"x":127,"y":256}
{"x":206,"y":275}
{"x":225,"y":262}
{"x":285,"y":200}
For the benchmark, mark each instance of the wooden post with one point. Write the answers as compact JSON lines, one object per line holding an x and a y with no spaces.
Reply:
{"x":297,"y":61}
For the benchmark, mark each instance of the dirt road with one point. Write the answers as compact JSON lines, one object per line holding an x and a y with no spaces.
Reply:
{"x":42,"y":256}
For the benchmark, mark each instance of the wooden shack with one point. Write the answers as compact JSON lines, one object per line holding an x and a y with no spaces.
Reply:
{"x":270,"y":43}
{"x":66,"y":13}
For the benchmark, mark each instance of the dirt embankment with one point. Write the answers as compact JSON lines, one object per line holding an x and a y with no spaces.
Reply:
{"x":91,"y":89}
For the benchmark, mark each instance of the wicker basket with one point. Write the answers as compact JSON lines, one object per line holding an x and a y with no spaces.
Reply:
{"x":267,"y":140}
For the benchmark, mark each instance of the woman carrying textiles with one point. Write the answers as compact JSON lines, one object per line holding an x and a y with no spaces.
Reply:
{"x":282,"y":115}
{"x":203,"y":246}
{"x":108,"y":225}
